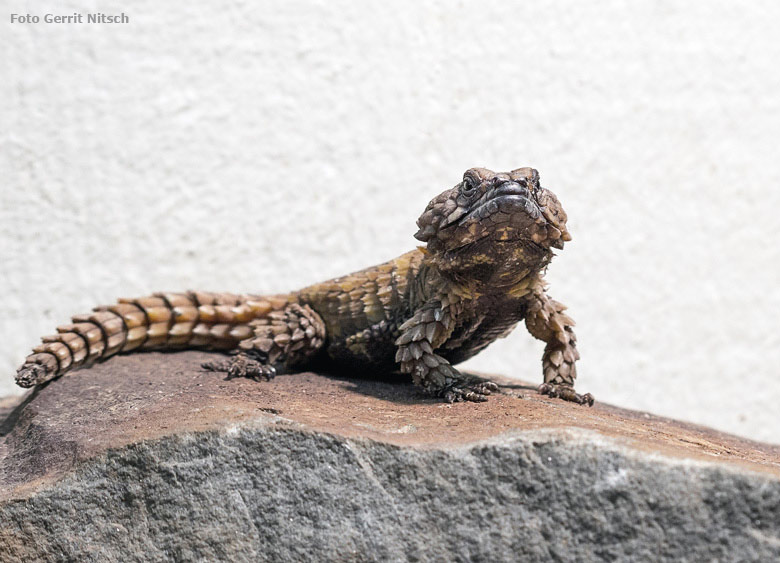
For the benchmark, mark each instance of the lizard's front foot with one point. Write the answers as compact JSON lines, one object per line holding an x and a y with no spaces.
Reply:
{"x":243,"y":364}
{"x":567,"y":393}
{"x":442,"y":380}
{"x":474,"y":389}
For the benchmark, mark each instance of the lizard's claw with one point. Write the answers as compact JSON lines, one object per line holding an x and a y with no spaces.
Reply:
{"x":567,"y":393}
{"x":242,"y":365}
{"x":476,"y":391}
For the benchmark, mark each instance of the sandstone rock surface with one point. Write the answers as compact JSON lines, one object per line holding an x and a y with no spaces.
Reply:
{"x":146,"y":457}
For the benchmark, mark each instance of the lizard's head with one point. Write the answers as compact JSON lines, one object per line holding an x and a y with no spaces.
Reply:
{"x":493,"y":217}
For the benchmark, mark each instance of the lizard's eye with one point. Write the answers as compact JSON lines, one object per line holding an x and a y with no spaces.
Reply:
{"x":469,"y":185}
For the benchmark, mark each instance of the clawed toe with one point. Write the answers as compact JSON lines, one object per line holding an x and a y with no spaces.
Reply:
{"x":488,"y":387}
{"x":457,"y":394}
{"x":223,"y":365}
{"x":475,"y":392}
{"x":259,"y":371}
{"x":567,"y":393}
{"x":242,"y":365}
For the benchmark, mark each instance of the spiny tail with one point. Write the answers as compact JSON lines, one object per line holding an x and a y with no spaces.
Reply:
{"x":161,"y":321}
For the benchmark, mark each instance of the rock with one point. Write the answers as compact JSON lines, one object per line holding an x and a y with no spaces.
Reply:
{"x":146,"y":457}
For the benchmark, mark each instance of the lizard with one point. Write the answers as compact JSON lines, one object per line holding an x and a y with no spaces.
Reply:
{"x":488,"y":242}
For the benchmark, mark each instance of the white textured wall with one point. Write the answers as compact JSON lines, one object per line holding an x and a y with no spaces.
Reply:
{"x":252,"y":146}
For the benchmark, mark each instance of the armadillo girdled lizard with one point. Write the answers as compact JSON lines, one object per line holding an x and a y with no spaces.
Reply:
{"x":488,"y":241}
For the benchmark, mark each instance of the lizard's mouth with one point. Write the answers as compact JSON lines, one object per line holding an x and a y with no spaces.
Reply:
{"x":507,"y":203}
{"x":510,"y":189}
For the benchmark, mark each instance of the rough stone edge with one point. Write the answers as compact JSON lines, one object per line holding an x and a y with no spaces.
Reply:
{"x":622,"y":446}
{"x":579,"y":443}
{"x":575,"y":436}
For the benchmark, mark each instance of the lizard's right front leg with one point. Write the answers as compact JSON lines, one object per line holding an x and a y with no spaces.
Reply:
{"x":547,"y":321}
{"x":421,"y":335}
{"x":288,"y":337}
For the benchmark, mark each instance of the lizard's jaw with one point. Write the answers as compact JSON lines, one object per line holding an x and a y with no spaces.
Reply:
{"x":536,"y":215}
{"x":507,"y":203}
{"x":514,"y":214}
{"x":507,"y":213}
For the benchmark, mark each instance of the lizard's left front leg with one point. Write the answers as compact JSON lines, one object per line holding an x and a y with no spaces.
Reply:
{"x":421,"y":335}
{"x":546,"y":321}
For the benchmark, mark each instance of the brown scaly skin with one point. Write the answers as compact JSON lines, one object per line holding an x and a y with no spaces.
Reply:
{"x":489,"y":242}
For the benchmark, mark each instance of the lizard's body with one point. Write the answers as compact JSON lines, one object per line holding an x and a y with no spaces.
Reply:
{"x":489,"y":242}
{"x":362,"y":329}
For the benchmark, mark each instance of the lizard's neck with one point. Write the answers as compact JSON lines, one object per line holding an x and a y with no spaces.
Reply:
{"x":514,"y":276}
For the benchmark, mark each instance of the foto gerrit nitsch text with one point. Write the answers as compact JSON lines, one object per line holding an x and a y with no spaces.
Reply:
{"x":75,"y":17}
